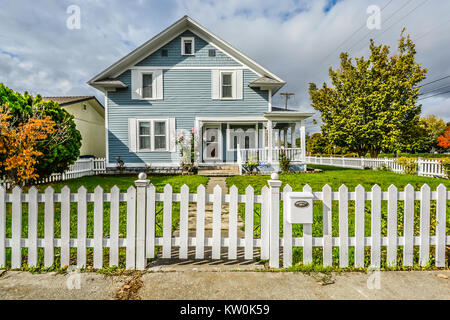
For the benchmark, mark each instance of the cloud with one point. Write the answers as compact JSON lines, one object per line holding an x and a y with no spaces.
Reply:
{"x":292,"y":38}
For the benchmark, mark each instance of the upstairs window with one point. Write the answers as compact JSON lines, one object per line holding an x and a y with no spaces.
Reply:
{"x":212,"y":52}
{"x":147,"y":85}
{"x":227,"y":87}
{"x":164,"y":53}
{"x":187,"y":46}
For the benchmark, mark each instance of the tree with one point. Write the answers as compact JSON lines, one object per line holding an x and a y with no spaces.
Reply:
{"x":317,"y":144}
{"x":18,"y":143}
{"x":434,"y":127}
{"x":371,"y":105}
{"x":59,"y":149}
{"x":444,"y":139}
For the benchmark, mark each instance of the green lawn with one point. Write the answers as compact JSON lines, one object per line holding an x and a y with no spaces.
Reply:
{"x":125,"y":181}
{"x":107,"y":182}
{"x":335,"y":177}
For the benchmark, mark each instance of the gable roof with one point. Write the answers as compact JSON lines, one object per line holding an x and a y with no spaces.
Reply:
{"x":69,"y":100}
{"x":183,"y":24}
{"x":66,"y":100}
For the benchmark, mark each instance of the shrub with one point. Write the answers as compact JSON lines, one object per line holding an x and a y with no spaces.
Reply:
{"x":384,"y":167}
{"x":409,"y":164}
{"x":251,"y":164}
{"x":446,"y":166}
{"x":285,"y":162}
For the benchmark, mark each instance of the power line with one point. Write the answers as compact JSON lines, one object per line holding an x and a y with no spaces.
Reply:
{"x":432,"y":29}
{"x":435,"y":81}
{"x":434,"y":90}
{"x":433,"y":95}
{"x":395,"y":12}
{"x":351,"y":36}
{"x":414,"y":9}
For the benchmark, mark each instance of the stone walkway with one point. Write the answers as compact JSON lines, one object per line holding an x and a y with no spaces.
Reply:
{"x":207,"y":263}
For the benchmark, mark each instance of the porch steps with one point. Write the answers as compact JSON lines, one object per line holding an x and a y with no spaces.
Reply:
{"x":219,"y":170}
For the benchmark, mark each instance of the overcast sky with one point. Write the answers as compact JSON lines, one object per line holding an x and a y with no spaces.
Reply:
{"x":297,"y":40}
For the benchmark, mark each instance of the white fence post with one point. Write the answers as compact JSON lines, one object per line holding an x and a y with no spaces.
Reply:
{"x":420,"y":171}
{"x":274,"y":257}
{"x":141,"y":205}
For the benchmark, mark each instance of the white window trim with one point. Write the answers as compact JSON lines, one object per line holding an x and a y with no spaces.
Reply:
{"x":183,"y":39}
{"x":152,"y":135}
{"x":230,"y":72}
{"x":141,"y":74}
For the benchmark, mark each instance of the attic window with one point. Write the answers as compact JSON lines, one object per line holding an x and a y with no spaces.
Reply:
{"x":164,"y":53}
{"x":212,"y":52}
{"x":187,"y":46}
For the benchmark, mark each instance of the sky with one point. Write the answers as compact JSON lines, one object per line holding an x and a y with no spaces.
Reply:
{"x":297,"y":40}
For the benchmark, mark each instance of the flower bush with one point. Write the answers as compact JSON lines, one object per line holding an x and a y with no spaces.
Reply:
{"x":445,"y":163}
{"x":409,"y":165}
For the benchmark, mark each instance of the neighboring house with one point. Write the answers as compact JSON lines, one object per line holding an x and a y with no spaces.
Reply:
{"x":186,"y":77}
{"x":89,"y":117}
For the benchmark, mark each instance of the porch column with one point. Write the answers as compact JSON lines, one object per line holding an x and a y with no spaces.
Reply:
{"x":303,"y":139}
{"x":269,"y":141}
{"x":293,"y":135}
{"x":285,"y":138}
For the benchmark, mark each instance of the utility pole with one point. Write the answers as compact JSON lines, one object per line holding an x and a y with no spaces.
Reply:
{"x":287,"y":96}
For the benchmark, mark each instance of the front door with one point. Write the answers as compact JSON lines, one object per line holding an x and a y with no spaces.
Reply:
{"x":211,"y":143}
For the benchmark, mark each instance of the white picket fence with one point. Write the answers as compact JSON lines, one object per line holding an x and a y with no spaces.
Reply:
{"x":81,"y":168}
{"x":141,"y":216}
{"x":425,"y":167}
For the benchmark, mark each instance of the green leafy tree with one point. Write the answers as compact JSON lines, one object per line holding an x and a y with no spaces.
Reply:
{"x":371,"y":105}
{"x":58,"y":152}
{"x":317,"y":144}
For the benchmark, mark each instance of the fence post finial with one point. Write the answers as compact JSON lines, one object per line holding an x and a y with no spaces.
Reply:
{"x":141,"y":204}
{"x":274,"y":221}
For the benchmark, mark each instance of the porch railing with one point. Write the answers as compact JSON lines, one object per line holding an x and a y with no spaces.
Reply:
{"x":267,"y":155}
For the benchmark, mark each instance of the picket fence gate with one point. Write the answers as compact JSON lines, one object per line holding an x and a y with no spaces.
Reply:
{"x":141,"y":211}
{"x":425,"y":167}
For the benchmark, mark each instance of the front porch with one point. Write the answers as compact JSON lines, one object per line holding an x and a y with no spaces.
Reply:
{"x":236,"y":140}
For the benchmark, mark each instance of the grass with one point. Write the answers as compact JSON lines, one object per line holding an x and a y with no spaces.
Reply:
{"x":335,"y":177}
{"x":107,"y":182}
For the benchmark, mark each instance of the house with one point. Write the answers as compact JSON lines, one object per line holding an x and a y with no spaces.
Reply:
{"x":89,"y":117}
{"x":186,"y":77}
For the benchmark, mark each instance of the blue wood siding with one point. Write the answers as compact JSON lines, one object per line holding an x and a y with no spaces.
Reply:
{"x":201,"y":57}
{"x":187,"y":94}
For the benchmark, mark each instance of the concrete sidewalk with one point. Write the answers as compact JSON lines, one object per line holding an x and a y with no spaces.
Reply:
{"x":227,"y":285}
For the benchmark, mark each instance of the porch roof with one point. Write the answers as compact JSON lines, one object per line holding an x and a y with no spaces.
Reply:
{"x":287,"y":114}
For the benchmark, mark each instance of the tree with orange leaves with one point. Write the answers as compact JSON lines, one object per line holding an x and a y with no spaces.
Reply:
{"x":444,"y":140}
{"x":18,"y":144}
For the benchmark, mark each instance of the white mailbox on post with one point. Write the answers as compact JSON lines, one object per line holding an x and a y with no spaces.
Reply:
{"x":300,"y":207}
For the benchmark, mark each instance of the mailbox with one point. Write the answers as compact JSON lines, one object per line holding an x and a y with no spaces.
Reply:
{"x":300,"y":207}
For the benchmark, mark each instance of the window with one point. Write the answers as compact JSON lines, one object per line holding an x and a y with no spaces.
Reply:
{"x":160,"y":135}
{"x":144,"y":136}
{"x":164,"y":53}
{"x":84,"y":107}
{"x":227,"y":87}
{"x":147,"y":86}
{"x":187,"y":46}
{"x":152,"y":135}
{"x":212,"y":52}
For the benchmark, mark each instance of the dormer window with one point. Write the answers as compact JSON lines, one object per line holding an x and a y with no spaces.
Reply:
{"x":187,"y":46}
